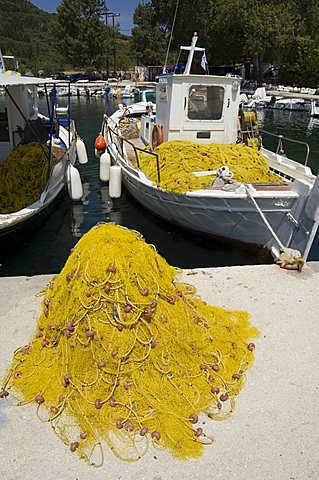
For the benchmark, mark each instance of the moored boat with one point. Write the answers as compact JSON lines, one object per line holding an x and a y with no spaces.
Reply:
{"x":280,"y":214}
{"x":259,"y":99}
{"x":37,"y":153}
{"x":291,"y":103}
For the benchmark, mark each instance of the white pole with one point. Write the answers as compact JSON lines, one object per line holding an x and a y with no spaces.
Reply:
{"x":191,"y":54}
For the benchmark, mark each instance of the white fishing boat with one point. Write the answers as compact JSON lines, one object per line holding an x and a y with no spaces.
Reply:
{"x":281,"y":216}
{"x":129,"y":91}
{"x":259,"y":99}
{"x":292,"y":104}
{"x":146,"y":103}
{"x":32,"y":143}
{"x":65,"y":92}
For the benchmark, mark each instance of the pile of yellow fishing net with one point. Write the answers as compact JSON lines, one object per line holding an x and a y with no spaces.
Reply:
{"x":125,"y":355}
{"x":23,"y":177}
{"x":180,"y":158}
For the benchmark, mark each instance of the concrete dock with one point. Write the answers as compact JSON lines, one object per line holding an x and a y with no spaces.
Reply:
{"x":274,"y":432}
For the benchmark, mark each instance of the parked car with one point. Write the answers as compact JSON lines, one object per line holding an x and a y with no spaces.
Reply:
{"x":92,"y":76}
{"x":74,"y":77}
{"x":58,"y":76}
{"x":84,"y":77}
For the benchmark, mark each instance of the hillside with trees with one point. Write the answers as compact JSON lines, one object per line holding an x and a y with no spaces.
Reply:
{"x":282,"y":33}
{"x":25,"y":34}
{"x":76,"y":38}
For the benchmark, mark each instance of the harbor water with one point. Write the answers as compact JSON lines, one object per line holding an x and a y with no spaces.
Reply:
{"x":46,"y":249}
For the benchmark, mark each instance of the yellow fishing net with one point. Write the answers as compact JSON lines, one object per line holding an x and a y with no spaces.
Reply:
{"x":23,"y":177}
{"x":126,"y":355}
{"x":180,"y":158}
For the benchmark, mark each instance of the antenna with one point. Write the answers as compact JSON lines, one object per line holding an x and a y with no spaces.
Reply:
{"x":170,"y":39}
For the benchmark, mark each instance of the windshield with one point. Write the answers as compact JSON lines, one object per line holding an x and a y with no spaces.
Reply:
{"x":205,"y":102}
{"x":150,"y":97}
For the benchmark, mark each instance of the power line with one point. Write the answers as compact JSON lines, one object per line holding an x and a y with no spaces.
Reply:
{"x":112,"y":15}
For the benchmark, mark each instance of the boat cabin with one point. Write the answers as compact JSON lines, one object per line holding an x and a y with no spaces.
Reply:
{"x":199,"y":108}
{"x":20,"y":107}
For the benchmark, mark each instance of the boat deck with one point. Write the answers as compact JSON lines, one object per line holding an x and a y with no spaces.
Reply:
{"x":129,"y":147}
{"x":262,"y":186}
{"x":58,"y":152}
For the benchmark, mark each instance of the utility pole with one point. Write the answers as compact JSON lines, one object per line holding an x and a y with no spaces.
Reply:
{"x":111,"y":15}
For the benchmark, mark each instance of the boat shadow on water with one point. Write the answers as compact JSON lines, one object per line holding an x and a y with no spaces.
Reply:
{"x":44,"y":245}
{"x":47,"y":241}
{"x":185,"y":249}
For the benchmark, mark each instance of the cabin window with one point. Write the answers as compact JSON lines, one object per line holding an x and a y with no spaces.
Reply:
{"x":150,"y":97}
{"x":205,"y":102}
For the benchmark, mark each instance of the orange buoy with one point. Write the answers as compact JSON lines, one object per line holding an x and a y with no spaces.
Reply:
{"x":100,"y":143}
{"x":157,"y":135}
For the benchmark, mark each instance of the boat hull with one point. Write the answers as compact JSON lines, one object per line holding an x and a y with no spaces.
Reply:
{"x":227,"y":216}
{"x":17,"y":232}
{"x":12,"y":223}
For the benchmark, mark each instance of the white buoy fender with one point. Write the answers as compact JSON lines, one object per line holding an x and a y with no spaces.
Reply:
{"x":81,"y":151}
{"x":105,"y":163}
{"x":75,"y":188}
{"x":96,"y":153}
{"x":115,"y":186}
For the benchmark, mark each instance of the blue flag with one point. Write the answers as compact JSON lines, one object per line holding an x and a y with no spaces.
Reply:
{"x":203,"y":62}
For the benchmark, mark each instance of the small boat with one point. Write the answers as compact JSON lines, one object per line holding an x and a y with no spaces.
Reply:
{"x":129,"y":91}
{"x":147,"y":95}
{"x":292,"y":104}
{"x":146,"y":103}
{"x":280,"y":214}
{"x":37,"y":153}
{"x":314,"y":108}
{"x":66,"y":92}
{"x":259,"y":99}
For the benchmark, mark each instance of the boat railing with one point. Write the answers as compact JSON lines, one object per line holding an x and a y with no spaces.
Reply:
{"x":280,"y":145}
{"x":120,"y":143}
{"x":69,"y":150}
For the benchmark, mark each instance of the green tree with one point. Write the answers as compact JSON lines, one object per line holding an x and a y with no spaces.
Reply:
{"x":191,"y":16}
{"x":158,"y":22}
{"x":281,"y":32}
{"x":83,"y":37}
{"x":309,"y":18}
{"x":301,"y":67}
{"x":148,"y":36}
{"x":254,"y":30}
{"x":124,"y":58}
{"x":28,"y":40}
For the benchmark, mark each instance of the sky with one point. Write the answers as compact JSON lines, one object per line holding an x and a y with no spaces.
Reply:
{"x":124,"y":7}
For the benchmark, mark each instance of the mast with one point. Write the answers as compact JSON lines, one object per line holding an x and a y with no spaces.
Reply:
{"x":191,"y":49}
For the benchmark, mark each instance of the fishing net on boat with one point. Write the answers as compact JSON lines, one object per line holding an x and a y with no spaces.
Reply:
{"x":130,"y":127}
{"x":180,"y":158}
{"x":23,"y":177}
{"x":125,"y":355}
